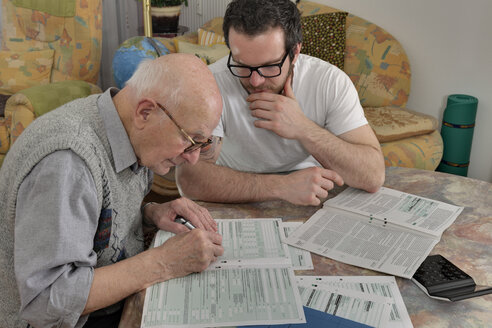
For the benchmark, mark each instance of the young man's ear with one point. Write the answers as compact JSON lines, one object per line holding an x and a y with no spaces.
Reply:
{"x":142,"y":112}
{"x":297,"y":51}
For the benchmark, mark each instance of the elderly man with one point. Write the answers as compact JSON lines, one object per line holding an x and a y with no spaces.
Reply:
{"x":71,"y":190}
{"x":292,"y":124}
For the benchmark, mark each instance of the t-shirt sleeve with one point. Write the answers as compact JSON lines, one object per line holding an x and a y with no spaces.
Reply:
{"x":56,"y":220}
{"x":220,"y":71}
{"x":219,"y":130}
{"x":346,"y":112}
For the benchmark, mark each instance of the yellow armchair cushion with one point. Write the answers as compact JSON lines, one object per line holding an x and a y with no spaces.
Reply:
{"x":421,"y":152}
{"x":18,"y":116}
{"x":188,"y":37}
{"x":211,"y":32}
{"x":76,"y":40}
{"x":170,"y":44}
{"x":394,"y":123}
{"x":65,"y":8}
{"x":20,"y":70}
{"x":377,"y":64}
{"x":33,"y":27}
{"x":23,"y":107}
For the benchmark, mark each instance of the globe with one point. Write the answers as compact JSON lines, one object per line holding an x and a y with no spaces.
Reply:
{"x":131,"y":53}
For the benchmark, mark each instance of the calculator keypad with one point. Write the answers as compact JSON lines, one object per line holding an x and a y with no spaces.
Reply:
{"x":437,"y":274}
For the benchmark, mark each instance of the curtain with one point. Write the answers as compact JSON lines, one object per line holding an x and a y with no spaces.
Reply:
{"x":122,"y":19}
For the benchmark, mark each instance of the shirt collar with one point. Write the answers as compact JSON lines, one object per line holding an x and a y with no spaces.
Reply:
{"x":121,"y":147}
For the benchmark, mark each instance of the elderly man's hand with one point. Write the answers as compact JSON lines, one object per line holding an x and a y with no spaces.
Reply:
{"x":189,"y":252}
{"x":308,"y":186}
{"x":163,"y":215}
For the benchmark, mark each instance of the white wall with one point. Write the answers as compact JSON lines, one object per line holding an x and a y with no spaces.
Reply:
{"x":449,"y":45}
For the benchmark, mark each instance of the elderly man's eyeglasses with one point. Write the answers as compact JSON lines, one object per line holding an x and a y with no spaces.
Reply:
{"x":267,"y":71}
{"x":194,"y":144}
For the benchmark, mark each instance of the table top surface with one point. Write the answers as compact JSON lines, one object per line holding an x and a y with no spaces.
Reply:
{"x":467,"y":242}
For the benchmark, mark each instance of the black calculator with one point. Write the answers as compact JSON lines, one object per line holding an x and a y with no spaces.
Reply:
{"x":441,"y":279}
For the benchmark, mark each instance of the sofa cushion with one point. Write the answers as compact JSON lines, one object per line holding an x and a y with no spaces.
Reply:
{"x":422,"y":152}
{"x":17,"y":117}
{"x":211,"y":32}
{"x":23,"y":107}
{"x":324,"y":37}
{"x":65,"y":8}
{"x":34,"y":25}
{"x":394,"y":123}
{"x":43,"y":99}
{"x":20,"y":70}
{"x":377,"y":64}
{"x":76,"y":40}
{"x":209,"y":54}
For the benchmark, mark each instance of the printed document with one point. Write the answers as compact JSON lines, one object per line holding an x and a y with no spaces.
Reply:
{"x":382,"y":286}
{"x":388,"y":231}
{"x":301,"y":259}
{"x":372,"y":310}
{"x":252,"y":283}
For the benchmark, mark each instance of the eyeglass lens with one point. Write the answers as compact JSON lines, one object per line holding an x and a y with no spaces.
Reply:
{"x":267,"y":71}
{"x":196,"y":145}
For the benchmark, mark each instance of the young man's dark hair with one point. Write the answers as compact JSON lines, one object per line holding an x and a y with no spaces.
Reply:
{"x":254,"y":17}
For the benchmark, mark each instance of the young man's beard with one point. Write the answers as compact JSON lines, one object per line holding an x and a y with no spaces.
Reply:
{"x":280,"y":90}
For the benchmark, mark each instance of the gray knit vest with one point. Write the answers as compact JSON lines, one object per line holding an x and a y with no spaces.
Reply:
{"x":76,"y":126}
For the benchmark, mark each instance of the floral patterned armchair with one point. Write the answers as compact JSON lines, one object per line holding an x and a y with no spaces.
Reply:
{"x":50,"y":54}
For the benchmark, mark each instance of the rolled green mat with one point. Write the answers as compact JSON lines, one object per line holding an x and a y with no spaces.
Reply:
{"x":458,"y":124}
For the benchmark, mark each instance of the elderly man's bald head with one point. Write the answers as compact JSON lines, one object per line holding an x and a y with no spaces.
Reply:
{"x":179,"y":80}
{"x":179,"y":86}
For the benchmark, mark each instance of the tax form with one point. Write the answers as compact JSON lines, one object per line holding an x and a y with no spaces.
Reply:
{"x":252,"y":283}
{"x":383,"y":286}
{"x":349,"y":304}
{"x":388,"y":231}
{"x":301,"y":259}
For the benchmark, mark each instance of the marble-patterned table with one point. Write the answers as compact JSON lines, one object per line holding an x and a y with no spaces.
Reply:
{"x":467,"y":243}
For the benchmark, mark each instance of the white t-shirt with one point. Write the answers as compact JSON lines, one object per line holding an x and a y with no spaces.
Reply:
{"x":324,"y":92}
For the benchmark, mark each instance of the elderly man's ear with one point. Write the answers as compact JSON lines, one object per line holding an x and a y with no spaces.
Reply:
{"x":142,"y":112}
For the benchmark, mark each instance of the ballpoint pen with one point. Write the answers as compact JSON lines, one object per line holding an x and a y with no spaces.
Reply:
{"x":183,"y":221}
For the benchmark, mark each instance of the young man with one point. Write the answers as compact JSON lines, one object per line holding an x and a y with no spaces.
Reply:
{"x":71,"y":189}
{"x":292,"y":124}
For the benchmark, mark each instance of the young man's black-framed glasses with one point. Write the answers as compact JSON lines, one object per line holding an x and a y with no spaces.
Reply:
{"x":194,"y":144}
{"x":272,"y":70}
